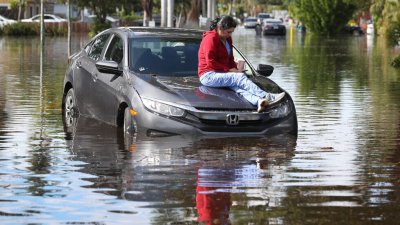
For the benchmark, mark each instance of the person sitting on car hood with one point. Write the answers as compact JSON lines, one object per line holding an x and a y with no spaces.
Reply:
{"x":217,"y":67}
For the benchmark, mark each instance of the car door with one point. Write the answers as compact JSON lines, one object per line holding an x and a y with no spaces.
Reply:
{"x":108,"y":87}
{"x":85,"y":73}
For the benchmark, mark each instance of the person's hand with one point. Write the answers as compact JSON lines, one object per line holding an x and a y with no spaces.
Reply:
{"x":240,"y":64}
{"x":234,"y":70}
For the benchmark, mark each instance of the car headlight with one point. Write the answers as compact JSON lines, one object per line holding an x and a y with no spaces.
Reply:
{"x":163,"y":108}
{"x":281,"y":111}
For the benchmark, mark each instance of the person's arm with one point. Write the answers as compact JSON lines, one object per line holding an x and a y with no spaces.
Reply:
{"x":212,"y":55}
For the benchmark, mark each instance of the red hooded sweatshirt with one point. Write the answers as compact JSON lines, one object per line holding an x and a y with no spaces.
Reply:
{"x":213,"y":55}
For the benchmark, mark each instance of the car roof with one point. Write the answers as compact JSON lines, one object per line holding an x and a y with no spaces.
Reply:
{"x":263,"y":14}
{"x":158,"y":32}
{"x":271,"y":20}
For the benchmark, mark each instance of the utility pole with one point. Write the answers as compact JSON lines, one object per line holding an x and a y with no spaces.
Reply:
{"x":163,"y":13}
{"x":41,"y":24}
{"x":69,"y":27}
{"x":41,"y":64}
{"x":170,"y":13}
{"x":21,"y":3}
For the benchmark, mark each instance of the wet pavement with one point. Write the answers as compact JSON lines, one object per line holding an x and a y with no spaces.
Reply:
{"x":343,"y":168}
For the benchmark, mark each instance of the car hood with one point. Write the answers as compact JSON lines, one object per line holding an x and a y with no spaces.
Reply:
{"x":189,"y":91}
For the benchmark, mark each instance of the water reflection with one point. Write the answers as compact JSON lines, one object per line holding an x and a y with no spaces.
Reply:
{"x":342,"y":169}
{"x":177,"y":171}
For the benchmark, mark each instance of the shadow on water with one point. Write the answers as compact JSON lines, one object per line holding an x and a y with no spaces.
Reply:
{"x":180,"y":175}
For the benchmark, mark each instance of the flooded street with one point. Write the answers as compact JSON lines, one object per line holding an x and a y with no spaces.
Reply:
{"x":343,"y":168}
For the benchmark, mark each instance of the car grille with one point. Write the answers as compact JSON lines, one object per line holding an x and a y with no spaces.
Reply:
{"x":220,"y":125}
{"x":243,"y":126}
{"x":226,"y":110}
{"x":223,"y":122}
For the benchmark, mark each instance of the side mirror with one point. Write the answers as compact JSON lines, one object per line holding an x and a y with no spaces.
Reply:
{"x":265,"y":70}
{"x":108,"y":67}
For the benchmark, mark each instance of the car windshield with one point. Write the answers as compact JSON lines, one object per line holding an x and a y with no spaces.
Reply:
{"x":164,"y":56}
{"x":263,"y":16}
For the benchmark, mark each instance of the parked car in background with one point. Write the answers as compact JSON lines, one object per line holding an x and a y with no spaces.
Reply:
{"x":273,"y":27}
{"x":114,"y":21}
{"x":5,"y":21}
{"x":145,"y":81}
{"x":262,"y":16}
{"x":48,"y":18}
{"x":250,"y":22}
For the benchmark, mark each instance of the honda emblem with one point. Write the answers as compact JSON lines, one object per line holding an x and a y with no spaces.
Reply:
{"x":232,"y":119}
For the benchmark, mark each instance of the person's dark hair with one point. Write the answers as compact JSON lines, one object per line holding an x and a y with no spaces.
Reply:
{"x":225,"y":22}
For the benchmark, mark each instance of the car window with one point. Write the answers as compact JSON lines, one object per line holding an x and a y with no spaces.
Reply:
{"x":115,"y":50}
{"x":88,"y":46}
{"x":167,"y":56}
{"x":97,"y":47}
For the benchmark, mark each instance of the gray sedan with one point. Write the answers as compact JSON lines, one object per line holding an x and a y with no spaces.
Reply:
{"x":145,"y":81}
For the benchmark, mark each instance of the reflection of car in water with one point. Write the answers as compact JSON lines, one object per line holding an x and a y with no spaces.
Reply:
{"x":217,"y":182}
{"x":145,"y":80}
{"x":168,"y":172}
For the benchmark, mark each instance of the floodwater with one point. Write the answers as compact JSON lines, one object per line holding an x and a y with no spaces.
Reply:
{"x":343,"y":168}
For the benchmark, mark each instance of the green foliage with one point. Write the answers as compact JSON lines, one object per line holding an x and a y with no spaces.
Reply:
{"x":393,"y":33}
{"x":131,"y":17}
{"x":21,"y":29}
{"x":26,"y":29}
{"x":14,"y":4}
{"x":97,"y":27}
{"x":324,"y":16}
{"x":56,"y":31}
{"x":386,"y":15}
{"x":396,"y":62}
{"x":101,"y":8}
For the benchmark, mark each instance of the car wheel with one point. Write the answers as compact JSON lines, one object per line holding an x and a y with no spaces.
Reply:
{"x":130,"y":125}
{"x":70,"y":110}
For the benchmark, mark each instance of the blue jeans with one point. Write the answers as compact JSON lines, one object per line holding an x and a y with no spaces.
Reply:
{"x":238,"y":82}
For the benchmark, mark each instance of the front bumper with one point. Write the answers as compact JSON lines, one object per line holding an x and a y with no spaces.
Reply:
{"x":221,"y":123}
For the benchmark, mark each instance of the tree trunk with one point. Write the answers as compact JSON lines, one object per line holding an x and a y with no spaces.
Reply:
{"x":194,"y":13}
{"x":21,"y":3}
{"x":147,"y":6}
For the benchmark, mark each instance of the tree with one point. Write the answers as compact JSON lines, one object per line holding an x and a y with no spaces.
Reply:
{"x":100,"y":8}
{"x":324,"y":16}
{"x":386,"y":14}
{"x":194,"y":12}
{"x":147,"y":11}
